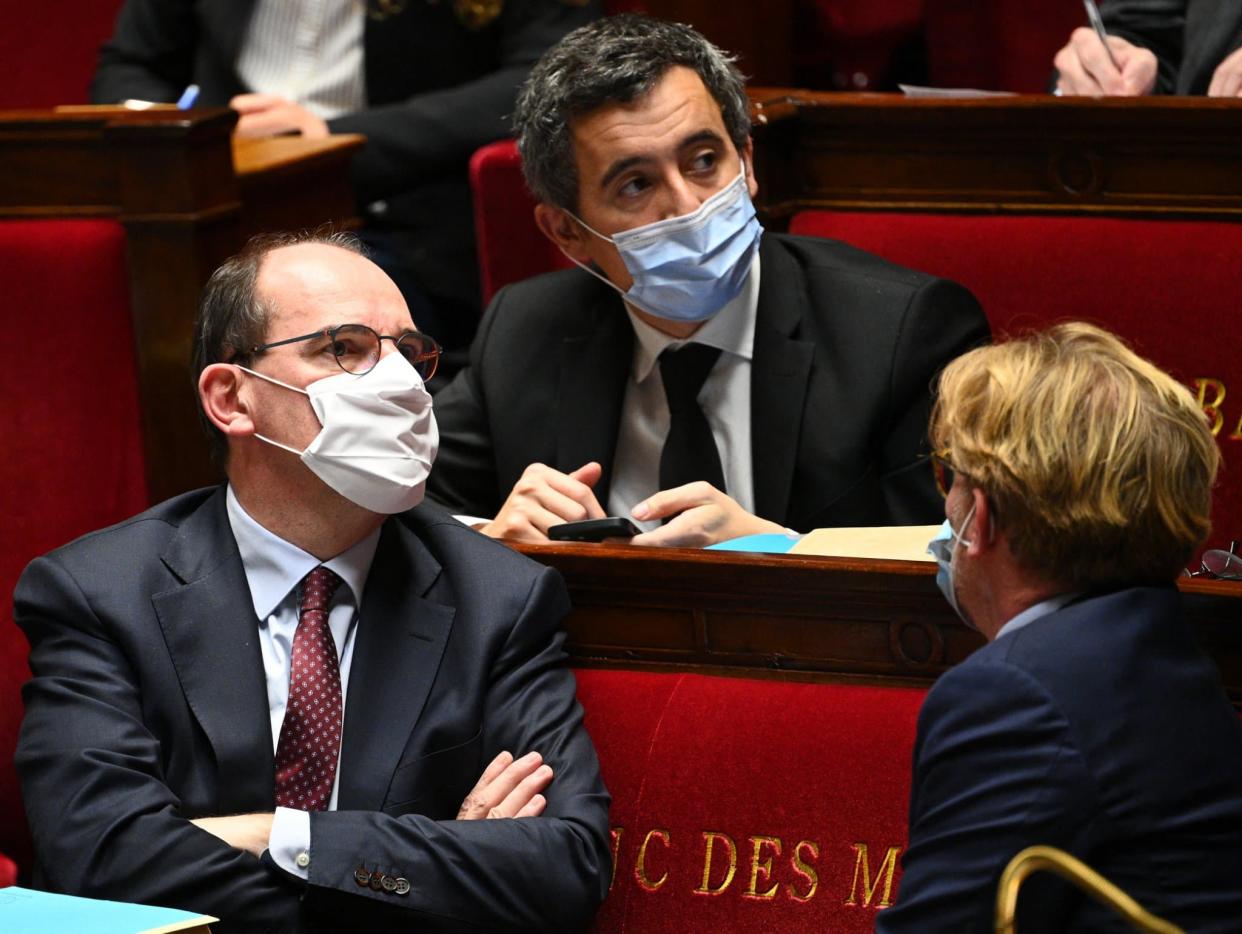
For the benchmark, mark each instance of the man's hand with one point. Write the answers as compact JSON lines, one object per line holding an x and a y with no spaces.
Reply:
{"x":272,"y":115}
{"x":544,"y":497}
{"x":1084,"y":69}
{"x":247,"y":832}
{"x":706,"y":516}
{"x":508,"y":788}
{"x":1227,"y":79}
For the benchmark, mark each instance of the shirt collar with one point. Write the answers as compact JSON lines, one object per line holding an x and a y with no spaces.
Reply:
{"x":274,"y":566}
{"x":732,"y":329}
{"x":1037,"y":610}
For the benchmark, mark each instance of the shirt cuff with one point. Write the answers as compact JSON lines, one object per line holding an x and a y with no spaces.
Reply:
{"x":289,"y":842}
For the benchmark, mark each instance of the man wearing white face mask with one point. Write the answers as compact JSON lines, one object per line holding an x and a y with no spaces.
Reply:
{"x":1078,"y":480}
{"x":289,"y":702}
{"x":696,"y":371}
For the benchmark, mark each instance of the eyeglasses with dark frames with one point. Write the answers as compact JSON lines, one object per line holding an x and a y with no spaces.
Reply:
{"x":1220,"y":564}
{"x":943,"y":470}
{"x":356,"y":348}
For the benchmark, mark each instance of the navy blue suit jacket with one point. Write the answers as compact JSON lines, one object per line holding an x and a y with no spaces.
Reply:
{"x":1100,"y":729}
{"x":148,"y":708}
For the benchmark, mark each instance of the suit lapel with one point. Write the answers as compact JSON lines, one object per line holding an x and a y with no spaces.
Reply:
{"x":780,"y":375}
{"x":397,"y":652}
{"x":213,"y":638}
{"x":594,"y":367}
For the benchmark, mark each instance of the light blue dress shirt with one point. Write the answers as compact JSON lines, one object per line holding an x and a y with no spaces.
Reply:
{"x":1035,"y":611}
{"x":274,"y":570}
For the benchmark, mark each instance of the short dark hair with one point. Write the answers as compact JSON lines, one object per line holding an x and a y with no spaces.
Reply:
{"x":232,"y":317}
{"x":617,"y":59}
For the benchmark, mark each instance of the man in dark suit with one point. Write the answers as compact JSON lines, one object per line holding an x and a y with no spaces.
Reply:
{"x":1080,"y":485}
{"x":1160,"y":47}
{"x":426,"y":83}
{"x":273,"y":702}
{"x":800,"y":368}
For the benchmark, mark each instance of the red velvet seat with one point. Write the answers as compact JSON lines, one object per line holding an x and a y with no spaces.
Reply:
{"x":801,"y":789}
{"x":72,"y":442}
{"x":1168,"y":287}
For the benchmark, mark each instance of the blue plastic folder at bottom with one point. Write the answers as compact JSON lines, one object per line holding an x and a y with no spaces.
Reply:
{"x":26,"y":911}
{"x":767,"y":543}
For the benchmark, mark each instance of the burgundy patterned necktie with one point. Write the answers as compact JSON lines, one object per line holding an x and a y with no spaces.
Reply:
{"x":310,"y":737}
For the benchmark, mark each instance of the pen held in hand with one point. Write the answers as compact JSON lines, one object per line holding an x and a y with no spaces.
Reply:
{"x":1097,"y":23}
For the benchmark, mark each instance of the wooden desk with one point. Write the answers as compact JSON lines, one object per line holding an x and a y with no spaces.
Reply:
{"x":1035,"y":153}
{"x":795,"y":617}
{"x":187,"y":198}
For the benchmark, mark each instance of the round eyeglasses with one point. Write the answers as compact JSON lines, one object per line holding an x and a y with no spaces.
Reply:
{"x":1220,"y":564}
{"x":356,"y":348}
{"x":944,"y":471}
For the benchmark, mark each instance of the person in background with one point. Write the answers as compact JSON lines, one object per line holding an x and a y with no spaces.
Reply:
{"x":1079,"y":481}
{"x":694,"y":371}
{"x":1158,"y":47}
{"x":303,"y":700}
{"x":426,"y":83}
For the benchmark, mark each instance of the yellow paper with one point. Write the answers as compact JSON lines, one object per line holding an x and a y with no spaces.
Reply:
{"x":894,"y":543}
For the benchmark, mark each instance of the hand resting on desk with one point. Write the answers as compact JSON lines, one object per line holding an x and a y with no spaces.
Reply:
{"x":273,"y":115}
{"x":1084,"y":68}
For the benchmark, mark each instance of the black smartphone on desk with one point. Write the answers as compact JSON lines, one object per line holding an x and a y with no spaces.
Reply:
{"x":593,"y":530}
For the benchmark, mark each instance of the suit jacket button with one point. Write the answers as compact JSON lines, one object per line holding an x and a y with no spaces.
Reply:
{"x":361,"y":876}
{"x":402,"y":886}
{"x":389,"y":883}
{"x":377,"y":880}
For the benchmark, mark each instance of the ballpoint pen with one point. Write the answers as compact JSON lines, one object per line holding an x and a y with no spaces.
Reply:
{"x":1097,"y":23}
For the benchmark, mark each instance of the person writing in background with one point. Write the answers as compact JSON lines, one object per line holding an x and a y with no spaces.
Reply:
{"x":694,"y":370}
{"x":426,"y":83}
{"x":304,"y":700}
{"x":1079,"y":481}
{"x":1157,"y":47}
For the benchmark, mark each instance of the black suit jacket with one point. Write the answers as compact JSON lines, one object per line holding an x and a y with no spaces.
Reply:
{"x":1101,"y":729}
{"x":846,"y":349}
{"x":1189,"y":37}
{"x":436,"y":90}
{"x":148,"y":708}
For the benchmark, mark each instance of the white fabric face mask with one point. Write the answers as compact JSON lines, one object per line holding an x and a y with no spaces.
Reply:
{"x":379,"y":436}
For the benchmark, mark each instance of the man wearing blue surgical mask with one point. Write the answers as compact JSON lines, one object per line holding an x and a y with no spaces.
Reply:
{"x":696,"y":374}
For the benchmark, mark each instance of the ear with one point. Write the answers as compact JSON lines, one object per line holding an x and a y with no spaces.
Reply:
{"x":748,"y":153}
{"x":982,"y":531}
{"x":219,"y":390}
{"x":563,"y":230}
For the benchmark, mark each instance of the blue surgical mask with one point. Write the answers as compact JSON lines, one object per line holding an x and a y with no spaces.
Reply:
{"x":687,"y":268}
{"x":942,"y":548}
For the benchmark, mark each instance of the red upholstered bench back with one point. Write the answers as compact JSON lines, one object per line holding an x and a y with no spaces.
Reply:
{"x":748,"y":805}
{"x":48,"y":50}
{"x":510,"y":246}
{"x":1171,"y":288}
{"x":70,"y":423}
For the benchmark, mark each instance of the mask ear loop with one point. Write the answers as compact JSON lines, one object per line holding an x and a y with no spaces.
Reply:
{"x":277,"y":382}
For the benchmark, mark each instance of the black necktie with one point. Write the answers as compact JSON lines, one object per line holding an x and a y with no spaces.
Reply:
{"x":689,"y":450}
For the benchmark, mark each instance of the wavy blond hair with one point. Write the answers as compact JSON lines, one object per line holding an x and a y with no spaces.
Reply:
{"x":1098,"y":464}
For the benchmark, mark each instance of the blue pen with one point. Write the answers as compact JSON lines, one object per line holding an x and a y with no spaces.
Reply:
{"x":188,"y":97}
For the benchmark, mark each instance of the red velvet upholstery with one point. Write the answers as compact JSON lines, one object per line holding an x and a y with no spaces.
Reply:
{"x":48,"y":50}
{"x":72,"y":443}
{"x":1169,"y":287}
{"x":1005,"y":45}
{"x":8,"y":872}
{"x":511,"y":248}
{"x":804,"y":774}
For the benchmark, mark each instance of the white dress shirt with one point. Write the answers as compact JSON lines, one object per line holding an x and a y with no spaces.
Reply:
{"x":724,"y":398}
{"x":274,"y":570}
{"x":309,"y":51}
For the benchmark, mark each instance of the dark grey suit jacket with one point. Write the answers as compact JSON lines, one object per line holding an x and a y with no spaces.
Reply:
{"x":1189,"y":37}
{"x":846,"y":349}
{"x":148,"y":708}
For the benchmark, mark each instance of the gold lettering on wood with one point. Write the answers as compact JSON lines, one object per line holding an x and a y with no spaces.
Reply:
{"x":862,"y":867}
{"x":640,"y":868}
{"x":760,"y":865}
{"x":710,"y":837}
{"x":1213,"y":409}
{"x":805,"y":870}
{"x":1237,"y":432}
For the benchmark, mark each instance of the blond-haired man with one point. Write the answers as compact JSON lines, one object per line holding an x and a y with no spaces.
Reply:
{"x":1080,"y":485}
